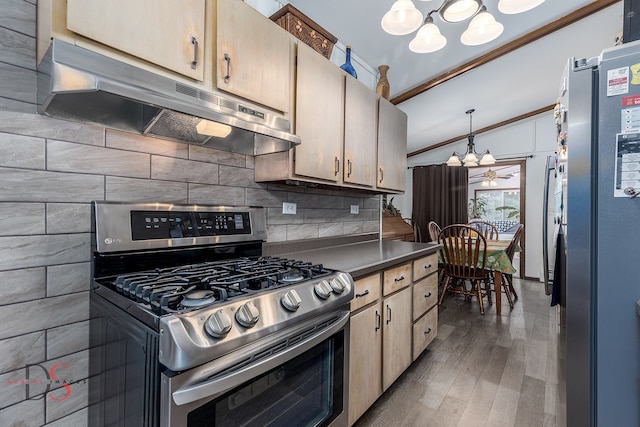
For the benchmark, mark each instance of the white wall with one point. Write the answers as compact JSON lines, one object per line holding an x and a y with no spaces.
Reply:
{"x":537,"y":136}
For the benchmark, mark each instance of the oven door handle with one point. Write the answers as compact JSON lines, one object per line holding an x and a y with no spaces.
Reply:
{"x":216,"y":386}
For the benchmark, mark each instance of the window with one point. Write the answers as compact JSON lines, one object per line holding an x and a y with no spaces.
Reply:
{"x":500,"y":204}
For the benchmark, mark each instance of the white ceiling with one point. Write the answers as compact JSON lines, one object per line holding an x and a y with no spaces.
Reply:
{"x":515,"y":84}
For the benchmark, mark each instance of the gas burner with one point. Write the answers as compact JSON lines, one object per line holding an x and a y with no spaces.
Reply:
{"x":198,"y":298}
{"x":292,"y":276}
{"x":187,"y":287}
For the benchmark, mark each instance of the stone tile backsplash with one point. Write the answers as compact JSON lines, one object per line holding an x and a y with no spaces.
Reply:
{"x":50,"y":171}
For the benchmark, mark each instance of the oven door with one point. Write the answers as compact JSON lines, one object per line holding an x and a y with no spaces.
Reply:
{"x":294,"y":377}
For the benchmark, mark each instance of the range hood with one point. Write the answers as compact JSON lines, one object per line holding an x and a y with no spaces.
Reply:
{"x":80,"y":85}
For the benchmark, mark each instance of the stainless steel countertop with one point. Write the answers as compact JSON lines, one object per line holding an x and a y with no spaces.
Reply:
{"x":363,"y":258}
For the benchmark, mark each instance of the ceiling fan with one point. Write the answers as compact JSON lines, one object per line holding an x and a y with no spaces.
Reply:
{"x":491,"y":174}
{"x":489,"y":177}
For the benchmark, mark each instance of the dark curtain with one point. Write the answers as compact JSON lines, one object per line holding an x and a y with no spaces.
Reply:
{"x":440,"y":194}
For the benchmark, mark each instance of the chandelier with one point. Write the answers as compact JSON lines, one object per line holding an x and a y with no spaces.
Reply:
{"x":470,"y":158}
{"x":404,"y":18}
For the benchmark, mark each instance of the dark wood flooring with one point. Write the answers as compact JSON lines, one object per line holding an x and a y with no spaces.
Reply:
{"x":486,"y":370}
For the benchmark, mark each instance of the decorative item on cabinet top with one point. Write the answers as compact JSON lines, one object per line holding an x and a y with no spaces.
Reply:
{"x":383,"y":88}
{"x":305,"y":29}
{"x":347,"y":64}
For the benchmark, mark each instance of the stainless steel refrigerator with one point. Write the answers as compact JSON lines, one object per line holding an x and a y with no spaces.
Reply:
{"x":598,"y":165}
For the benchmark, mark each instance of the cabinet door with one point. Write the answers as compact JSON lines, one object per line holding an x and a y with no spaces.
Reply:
{"x":365,"y":361}
{"x":360,"y":131}
{"x":392,"y":147}
{"x":397,"y":331}
{"x":319,"y":115}
{"x":168,"y":33}
{"x":253,"y":56}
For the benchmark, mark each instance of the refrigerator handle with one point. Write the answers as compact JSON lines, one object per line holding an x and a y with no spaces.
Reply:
{"x":550,"y":166}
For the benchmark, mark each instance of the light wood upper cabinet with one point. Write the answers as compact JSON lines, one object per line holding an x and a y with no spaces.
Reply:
{"x":253,"y":56}
{"x":319,"y":116}
{"x":360,"y":133}
{"x":392,"y":147}
{"x":365,"y":354}
{"x":167,"y":33}
{"x":397,"y":333}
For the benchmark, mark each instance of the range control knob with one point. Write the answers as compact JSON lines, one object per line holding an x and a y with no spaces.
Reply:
{"x":341,"y":283}
{"x":291,"y":300}
{"x":247,"y":315}
{"x":323,"y":289}
{"x":337,"y":285}
{"x":218,"y":324}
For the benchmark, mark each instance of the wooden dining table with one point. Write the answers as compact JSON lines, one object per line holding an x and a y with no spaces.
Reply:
{"x":498,"y":262}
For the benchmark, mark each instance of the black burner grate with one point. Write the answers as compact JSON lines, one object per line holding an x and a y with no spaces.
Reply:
{"x":166,"y":290}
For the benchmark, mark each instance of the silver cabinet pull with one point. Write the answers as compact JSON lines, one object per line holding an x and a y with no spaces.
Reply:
{"x":427,"y":331}
{"x":388,"y":315}
{"x":381,"y":175}
{"x":337,"y":165}
{"x":227,"y":59}
{"x":349,"y":168}
{"x":378,"y":320}
{"x":365,"y":293}
{"x":194,"y":42}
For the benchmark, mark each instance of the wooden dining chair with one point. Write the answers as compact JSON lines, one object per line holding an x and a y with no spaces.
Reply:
{"x":511,"y":250}
{"x":488,"y":230}
{"x":464,"y":258}
{"x":434,"y":231}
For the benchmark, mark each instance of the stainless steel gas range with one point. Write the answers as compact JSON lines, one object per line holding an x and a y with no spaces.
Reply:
{"x":192,"y":326}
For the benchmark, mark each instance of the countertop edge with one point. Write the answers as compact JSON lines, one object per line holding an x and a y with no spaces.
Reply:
{"x":391,"y":262}
{"x":365,"y":258}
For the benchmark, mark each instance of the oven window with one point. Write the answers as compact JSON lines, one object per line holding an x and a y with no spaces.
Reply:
{"x":305,"y":391}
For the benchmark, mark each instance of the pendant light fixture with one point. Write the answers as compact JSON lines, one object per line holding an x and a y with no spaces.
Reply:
{"x":458,"y":10}
{"x":482,"y":29}
{"x":510,"y":7}
{"x":471,"y":158}
{"x":404,"y":18}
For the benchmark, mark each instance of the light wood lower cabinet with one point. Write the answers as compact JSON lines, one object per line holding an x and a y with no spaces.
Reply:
{"x":425,"y":299}
{"x":396,"y":336}
{"x":424,"y":331}
{"x":394,"y":318}
{"x":365,"y":359}
{"x":425,"y":295}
